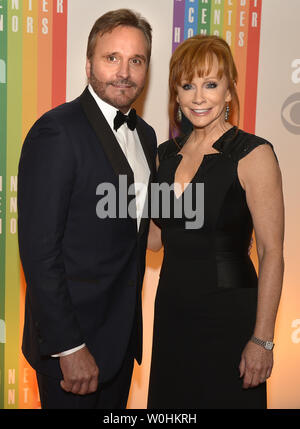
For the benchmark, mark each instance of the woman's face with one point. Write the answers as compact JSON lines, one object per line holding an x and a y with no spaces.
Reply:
{"x":203,"y":99}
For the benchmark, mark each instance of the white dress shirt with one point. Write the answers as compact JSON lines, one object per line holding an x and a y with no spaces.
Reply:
{"x":131,"y":146}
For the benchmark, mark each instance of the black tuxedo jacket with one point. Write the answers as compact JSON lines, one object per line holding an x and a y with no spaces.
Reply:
{"x":84,"y":274}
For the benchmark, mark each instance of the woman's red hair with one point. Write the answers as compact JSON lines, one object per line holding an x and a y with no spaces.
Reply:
{"x":194,"y":57}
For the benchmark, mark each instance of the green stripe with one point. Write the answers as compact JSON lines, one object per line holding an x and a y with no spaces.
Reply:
{"x":3,"y":99}
{"x":217,"y":17}
{"x":204,"y":17}
{"x":14,"y":140}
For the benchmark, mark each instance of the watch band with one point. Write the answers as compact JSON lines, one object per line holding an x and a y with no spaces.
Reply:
{"x":268,"y":345}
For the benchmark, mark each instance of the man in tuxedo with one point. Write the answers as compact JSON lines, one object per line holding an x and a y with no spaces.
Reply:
{"x":84,"y":270}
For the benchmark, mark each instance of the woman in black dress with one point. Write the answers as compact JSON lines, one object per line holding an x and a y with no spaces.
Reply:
{"x":214,"y":318}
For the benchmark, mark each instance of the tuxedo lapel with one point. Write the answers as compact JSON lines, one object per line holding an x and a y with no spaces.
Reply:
{"x":112,"y":148}
{"x":106,"y":137}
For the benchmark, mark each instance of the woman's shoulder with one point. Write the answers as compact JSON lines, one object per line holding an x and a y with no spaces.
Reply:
{"x":240,"y":143}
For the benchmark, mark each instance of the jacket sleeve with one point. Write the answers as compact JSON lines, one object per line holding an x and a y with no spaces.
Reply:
{"x":45,"y":184}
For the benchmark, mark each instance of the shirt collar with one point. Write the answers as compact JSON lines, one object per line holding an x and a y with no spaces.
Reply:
{"x":108,"y":110}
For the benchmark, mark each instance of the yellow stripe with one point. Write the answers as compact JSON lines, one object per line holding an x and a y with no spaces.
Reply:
{"x":229,"y":26}
{"x":27,"y":386}
{"x":14,"y":138}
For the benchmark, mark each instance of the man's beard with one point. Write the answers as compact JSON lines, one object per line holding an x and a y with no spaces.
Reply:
{"x":119,"y":102}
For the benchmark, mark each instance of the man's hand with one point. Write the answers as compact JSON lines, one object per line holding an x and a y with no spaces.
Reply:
{"x":80,"y":372}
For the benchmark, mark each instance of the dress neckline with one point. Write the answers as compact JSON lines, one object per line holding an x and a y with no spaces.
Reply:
{"x":218,"y":144}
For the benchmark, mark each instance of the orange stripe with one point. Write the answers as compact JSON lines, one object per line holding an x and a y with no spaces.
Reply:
{"x":28,"y":390}
{"x":45,"y":57}
{"x":59,"y":61}
{"x":252,"y":66}
{"x":242,"y":17}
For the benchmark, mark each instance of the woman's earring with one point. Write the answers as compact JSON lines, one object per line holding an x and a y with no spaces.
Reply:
{"x":227,"y":111}
{"x":179,"y":114}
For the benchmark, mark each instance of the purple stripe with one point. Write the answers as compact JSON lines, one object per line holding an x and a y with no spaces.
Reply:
{"x":178,"y":23}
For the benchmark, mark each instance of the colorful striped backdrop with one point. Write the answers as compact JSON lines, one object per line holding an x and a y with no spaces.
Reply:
{"x":238,"y":22}
{"x":33,"y":52}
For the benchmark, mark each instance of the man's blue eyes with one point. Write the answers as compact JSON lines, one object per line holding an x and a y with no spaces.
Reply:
{"x":116,"y":59}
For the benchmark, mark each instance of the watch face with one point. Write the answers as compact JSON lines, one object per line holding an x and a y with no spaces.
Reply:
{"x":269,"y":345}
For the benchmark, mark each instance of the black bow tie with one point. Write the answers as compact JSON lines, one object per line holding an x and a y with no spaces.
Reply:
{"x":121,"y":118}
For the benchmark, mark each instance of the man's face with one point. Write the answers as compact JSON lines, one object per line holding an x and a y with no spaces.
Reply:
{"x":118,"y":68}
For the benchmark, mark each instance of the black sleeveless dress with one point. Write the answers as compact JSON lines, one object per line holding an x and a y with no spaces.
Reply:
{"x":206,"y":299}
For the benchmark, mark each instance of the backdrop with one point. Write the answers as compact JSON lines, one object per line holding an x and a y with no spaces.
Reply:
{"x":42,"y":60}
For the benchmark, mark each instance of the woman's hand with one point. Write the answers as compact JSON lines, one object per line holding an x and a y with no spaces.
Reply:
{"x":256,"y":365}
